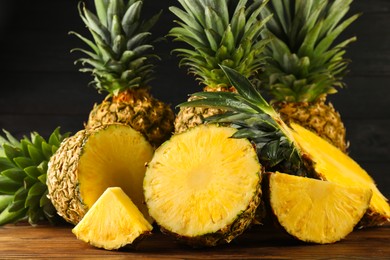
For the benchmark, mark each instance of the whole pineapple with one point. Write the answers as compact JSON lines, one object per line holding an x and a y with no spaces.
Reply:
{"x":23,"y":173}
{"x":304,"y":65}
{"x":290,"y":148}
{"x":121,"y":62}
{"x":217,"y":32}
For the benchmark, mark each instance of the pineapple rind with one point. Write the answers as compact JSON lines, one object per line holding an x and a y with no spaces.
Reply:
{"x":112,"y":222}
{"x":203,"y":187}
{"x":333,"y":165}
{"x":189,"y":117}
{"x":316,"y":211}
{"x":73,"y":185}
{"x":138,"y":109}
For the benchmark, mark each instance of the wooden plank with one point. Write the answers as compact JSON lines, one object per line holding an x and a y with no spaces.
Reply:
{"x":45,"y":242}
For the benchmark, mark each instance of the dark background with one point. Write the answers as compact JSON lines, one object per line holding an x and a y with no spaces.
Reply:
{"x":41,"y":88}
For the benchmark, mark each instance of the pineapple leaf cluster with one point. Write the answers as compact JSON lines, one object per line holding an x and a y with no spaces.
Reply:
{"x":220,"y":32}
{"x":121,"y":51}
{"x":23,"y":168}
{"x":255,"y":120}
{"x":304,"y":62}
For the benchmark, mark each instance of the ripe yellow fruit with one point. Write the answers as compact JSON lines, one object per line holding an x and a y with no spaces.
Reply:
{"x":112,"y":222}
{"x":316,"y":211}
{"x":203,"y":187}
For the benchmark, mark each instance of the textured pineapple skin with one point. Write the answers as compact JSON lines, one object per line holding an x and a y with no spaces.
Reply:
{"x":62,"y":178}
{"x":319,"y":117}
{"x":189,"y":117}
{"x":137,"y":108}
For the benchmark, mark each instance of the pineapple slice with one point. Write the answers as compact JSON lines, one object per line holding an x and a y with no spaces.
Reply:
{"x":202,"y":186}
{"x":112,"y":222}
{"x":314,"y":210}
{"x":333,"y":165}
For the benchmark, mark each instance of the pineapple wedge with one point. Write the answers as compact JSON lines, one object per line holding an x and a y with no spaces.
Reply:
{"x":203,"y":187}
{"x":112,"y":222}
{"x":333,"y":165}
{"x":316,"y":211}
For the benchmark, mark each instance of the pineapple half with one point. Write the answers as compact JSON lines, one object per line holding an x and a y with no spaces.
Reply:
{"x":203,"y":187}
{"x":121,"y":60}
{"x":316,"y":211}
{"x":90,"y":161}
{"x":289,"y":148}
{"x":112,"y":222}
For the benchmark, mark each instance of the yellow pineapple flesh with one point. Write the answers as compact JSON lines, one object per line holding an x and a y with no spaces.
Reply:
{"x":314,"y":210}
{"x":203,"y":187}
{"x":89,"y":162}
{"x":112,"y":222}
{"x":333,"y":165}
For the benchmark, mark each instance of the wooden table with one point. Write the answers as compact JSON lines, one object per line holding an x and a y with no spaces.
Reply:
{"x":48,"y":242}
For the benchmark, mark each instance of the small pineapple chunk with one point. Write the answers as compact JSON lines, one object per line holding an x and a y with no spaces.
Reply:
{"x":314,"y":210}
{"x":112,"y":222}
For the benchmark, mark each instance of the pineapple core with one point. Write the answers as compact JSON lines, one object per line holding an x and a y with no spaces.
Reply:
{"x":314,"y":210}
{"x":115,"y":157}
{"x":335,"y":166}
{"x":112,"y":222}
{"x":201,"y":180}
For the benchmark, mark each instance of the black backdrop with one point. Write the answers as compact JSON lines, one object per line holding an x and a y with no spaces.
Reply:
{"x":41,"y":88}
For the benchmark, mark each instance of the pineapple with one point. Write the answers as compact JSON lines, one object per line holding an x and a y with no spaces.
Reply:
{"x":304,"y":65}
{"x":122,"y":63}
{"x":291,"y":149}
{"x":23,"y":169}
{"x":203,"y":187}
{"x":313,"y":210}
{"x":217,"y":32}
{"x":112,"y":222}
{"x":87,"y":163}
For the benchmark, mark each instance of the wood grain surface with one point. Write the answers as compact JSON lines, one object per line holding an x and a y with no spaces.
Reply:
{"x":47,"y":242}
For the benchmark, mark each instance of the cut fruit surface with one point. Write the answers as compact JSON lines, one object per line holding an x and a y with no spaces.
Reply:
{"x":333,"y":165}
{"x":112,"y":222}
{"x":89,"y":162}
{"x":203,"y":186}
{"x":314,"y":210}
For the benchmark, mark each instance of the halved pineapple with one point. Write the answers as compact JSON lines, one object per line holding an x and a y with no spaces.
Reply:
{"x":112,"y":222}
{"x":90,"y":161}
{"x":203,"y":186}
{"x":314,"y":210}
{"x":333,"y":165}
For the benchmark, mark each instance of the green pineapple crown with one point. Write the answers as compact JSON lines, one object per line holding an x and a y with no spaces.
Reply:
{"x":121,"y":51}
{"x":303,"y":61}
{"x":23,"y":168}
{"x":257,"y":121}
{"x":220,"y":32}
